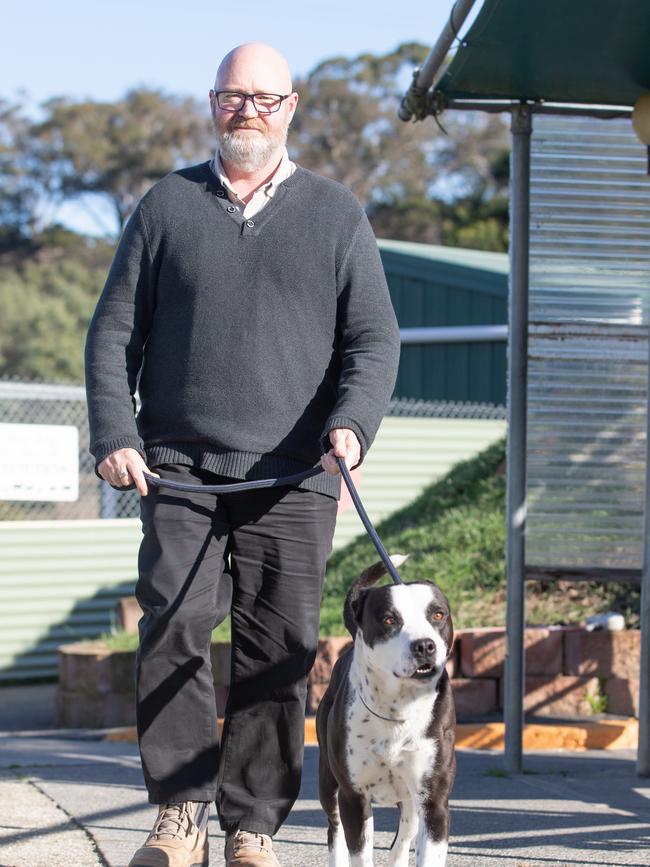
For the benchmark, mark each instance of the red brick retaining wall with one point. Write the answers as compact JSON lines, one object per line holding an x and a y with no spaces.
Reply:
{"x":569,"y":673}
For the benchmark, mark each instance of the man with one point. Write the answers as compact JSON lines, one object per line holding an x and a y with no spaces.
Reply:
{"x":248,"y":304}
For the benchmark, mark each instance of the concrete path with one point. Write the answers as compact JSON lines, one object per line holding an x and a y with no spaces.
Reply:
{"x":76,"y":801}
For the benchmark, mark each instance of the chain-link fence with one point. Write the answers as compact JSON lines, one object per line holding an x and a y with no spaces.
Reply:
{"x":40,"y":403}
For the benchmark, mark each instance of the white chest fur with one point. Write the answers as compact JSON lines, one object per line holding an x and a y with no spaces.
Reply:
{"x":389,"y":761}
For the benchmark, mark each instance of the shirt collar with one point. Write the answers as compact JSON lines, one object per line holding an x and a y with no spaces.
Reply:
{"x":284,"y":170}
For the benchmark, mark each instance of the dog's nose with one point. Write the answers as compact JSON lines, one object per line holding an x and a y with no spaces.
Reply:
{"x":423,"y":648}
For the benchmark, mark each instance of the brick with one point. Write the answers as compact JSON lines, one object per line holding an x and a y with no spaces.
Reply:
{"x":91,"y":666}
{"x":622,"y":696}
{"x":94,"y":710}
{"x":474,"y":698}
{"x":483,"y":651}
{"x":606,"y":654}
{"x":559,"y":696}
{"x":329,"y":650}
{"x":129,"y":614}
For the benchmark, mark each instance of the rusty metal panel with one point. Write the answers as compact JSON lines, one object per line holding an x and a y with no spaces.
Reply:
{"x":588,"y":343}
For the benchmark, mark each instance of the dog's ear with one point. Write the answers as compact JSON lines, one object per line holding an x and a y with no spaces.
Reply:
{"x":357,"y":606}
{"x":353,"y":609}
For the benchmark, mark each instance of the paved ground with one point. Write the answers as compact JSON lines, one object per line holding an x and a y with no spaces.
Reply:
{"x":80,"y":802}
{"x":70,"y":799}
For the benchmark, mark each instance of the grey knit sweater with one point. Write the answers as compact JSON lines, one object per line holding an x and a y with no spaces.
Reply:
{"x":247,"y":340}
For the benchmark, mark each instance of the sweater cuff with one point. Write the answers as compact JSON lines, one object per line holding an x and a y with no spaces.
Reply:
{"x":339,"y":421}
{"x":103,"y":449}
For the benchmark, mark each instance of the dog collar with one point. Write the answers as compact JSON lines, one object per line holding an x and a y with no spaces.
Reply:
{"x":374,"y":713}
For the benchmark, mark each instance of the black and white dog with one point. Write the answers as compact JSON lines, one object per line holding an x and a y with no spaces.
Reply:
{"x":386,"y":724}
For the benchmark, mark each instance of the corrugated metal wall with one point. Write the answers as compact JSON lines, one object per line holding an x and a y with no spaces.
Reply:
{"x":60,"y":580}
{"x":589,"y":297}
{"x":437,"y":286}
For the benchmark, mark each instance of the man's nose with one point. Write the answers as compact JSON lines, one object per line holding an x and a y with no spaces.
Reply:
{"x":248,"y":109}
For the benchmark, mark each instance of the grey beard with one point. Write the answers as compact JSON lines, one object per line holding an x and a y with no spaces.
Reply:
{"x":247,"y":152}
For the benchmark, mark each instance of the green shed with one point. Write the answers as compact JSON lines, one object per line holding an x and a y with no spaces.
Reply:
{"x":448,"y":286}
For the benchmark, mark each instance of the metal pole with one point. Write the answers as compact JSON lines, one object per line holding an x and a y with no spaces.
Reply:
{"x":521,"y":128}
{"x":643,"y":752}
{"x":454,"y":334}
{"x":436,"y":57}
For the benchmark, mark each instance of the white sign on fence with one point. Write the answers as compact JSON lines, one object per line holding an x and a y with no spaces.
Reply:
{"x":39,"y":462}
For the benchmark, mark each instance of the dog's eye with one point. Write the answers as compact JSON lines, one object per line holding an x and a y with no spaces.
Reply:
{"x":388,"y":620}
{"x":438,"y":615}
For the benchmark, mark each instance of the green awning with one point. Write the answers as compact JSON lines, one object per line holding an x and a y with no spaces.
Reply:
{"x":570,"y":51}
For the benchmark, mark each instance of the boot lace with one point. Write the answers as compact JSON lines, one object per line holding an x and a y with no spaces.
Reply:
{"x":174,"y":821}
{"x":249,"y":838}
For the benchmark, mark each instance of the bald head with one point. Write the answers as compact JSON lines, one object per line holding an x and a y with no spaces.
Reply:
{"x":254,"y":68}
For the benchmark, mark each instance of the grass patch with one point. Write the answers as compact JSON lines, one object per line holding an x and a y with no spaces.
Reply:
{"x":453,"y":532}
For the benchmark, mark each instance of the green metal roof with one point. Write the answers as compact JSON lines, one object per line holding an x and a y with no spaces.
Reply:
{"x":571,"y":51}
{"x":484,"y":260}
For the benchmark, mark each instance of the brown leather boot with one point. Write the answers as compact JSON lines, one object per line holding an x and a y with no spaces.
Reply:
{"x":249,"y":849}
{"x":179,"y":837}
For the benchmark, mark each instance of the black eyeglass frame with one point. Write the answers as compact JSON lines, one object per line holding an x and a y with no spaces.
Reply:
{"x":251,"y":96}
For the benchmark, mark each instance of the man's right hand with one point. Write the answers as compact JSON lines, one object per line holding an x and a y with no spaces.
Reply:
{"x":124,"y":468}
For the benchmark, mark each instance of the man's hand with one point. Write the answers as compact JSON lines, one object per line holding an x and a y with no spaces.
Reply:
{"x":344,"y":445}
{"x":124,"y":468}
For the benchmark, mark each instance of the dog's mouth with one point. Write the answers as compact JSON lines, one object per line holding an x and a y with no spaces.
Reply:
{"x":424,"y":671}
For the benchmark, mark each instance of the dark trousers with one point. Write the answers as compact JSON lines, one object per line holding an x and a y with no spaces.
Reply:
{"x":277,"y":542}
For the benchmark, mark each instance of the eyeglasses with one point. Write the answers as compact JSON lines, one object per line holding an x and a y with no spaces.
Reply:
{"x":264,"y":103}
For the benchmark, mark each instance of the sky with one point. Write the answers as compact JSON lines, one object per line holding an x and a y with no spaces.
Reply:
{"x":99,"y":50}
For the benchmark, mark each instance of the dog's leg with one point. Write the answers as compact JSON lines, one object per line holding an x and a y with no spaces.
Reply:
{"x":432,"y":838}
{"x":356,"y":817}
{"x":328,"y":791}
{"x":408,"y":827}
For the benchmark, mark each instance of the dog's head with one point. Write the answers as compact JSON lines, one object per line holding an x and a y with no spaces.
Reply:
{"x":406,"y":629}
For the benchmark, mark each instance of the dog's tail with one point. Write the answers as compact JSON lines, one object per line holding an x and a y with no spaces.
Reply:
{"x":364,"y":581}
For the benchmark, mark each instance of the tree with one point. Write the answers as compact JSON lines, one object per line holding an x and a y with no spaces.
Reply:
{"x":409,"y":177}
{"x":347,"y":126}
{"x":118,"y":150}
{"x":48,"y":295}
{"x":19,"y":187}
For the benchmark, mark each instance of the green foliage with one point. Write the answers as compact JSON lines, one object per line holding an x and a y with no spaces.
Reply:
{"x":118,"y":149}
{"x":597,"y":701}
{"x":454,"y":534}
{"x":409,"y":177}
{"x":47,"y":300}
{"x":19,"y":186}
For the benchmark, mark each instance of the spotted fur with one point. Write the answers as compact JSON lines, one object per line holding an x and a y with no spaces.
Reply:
{"x":386,"y":724}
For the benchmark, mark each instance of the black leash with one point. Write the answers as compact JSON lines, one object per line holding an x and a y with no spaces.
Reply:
{"x":234,"y":487}
{"x":295,"y":479}
{"x":365,"y":520}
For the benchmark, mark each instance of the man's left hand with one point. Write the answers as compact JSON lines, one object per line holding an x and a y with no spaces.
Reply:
{"x":344,"y":445}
